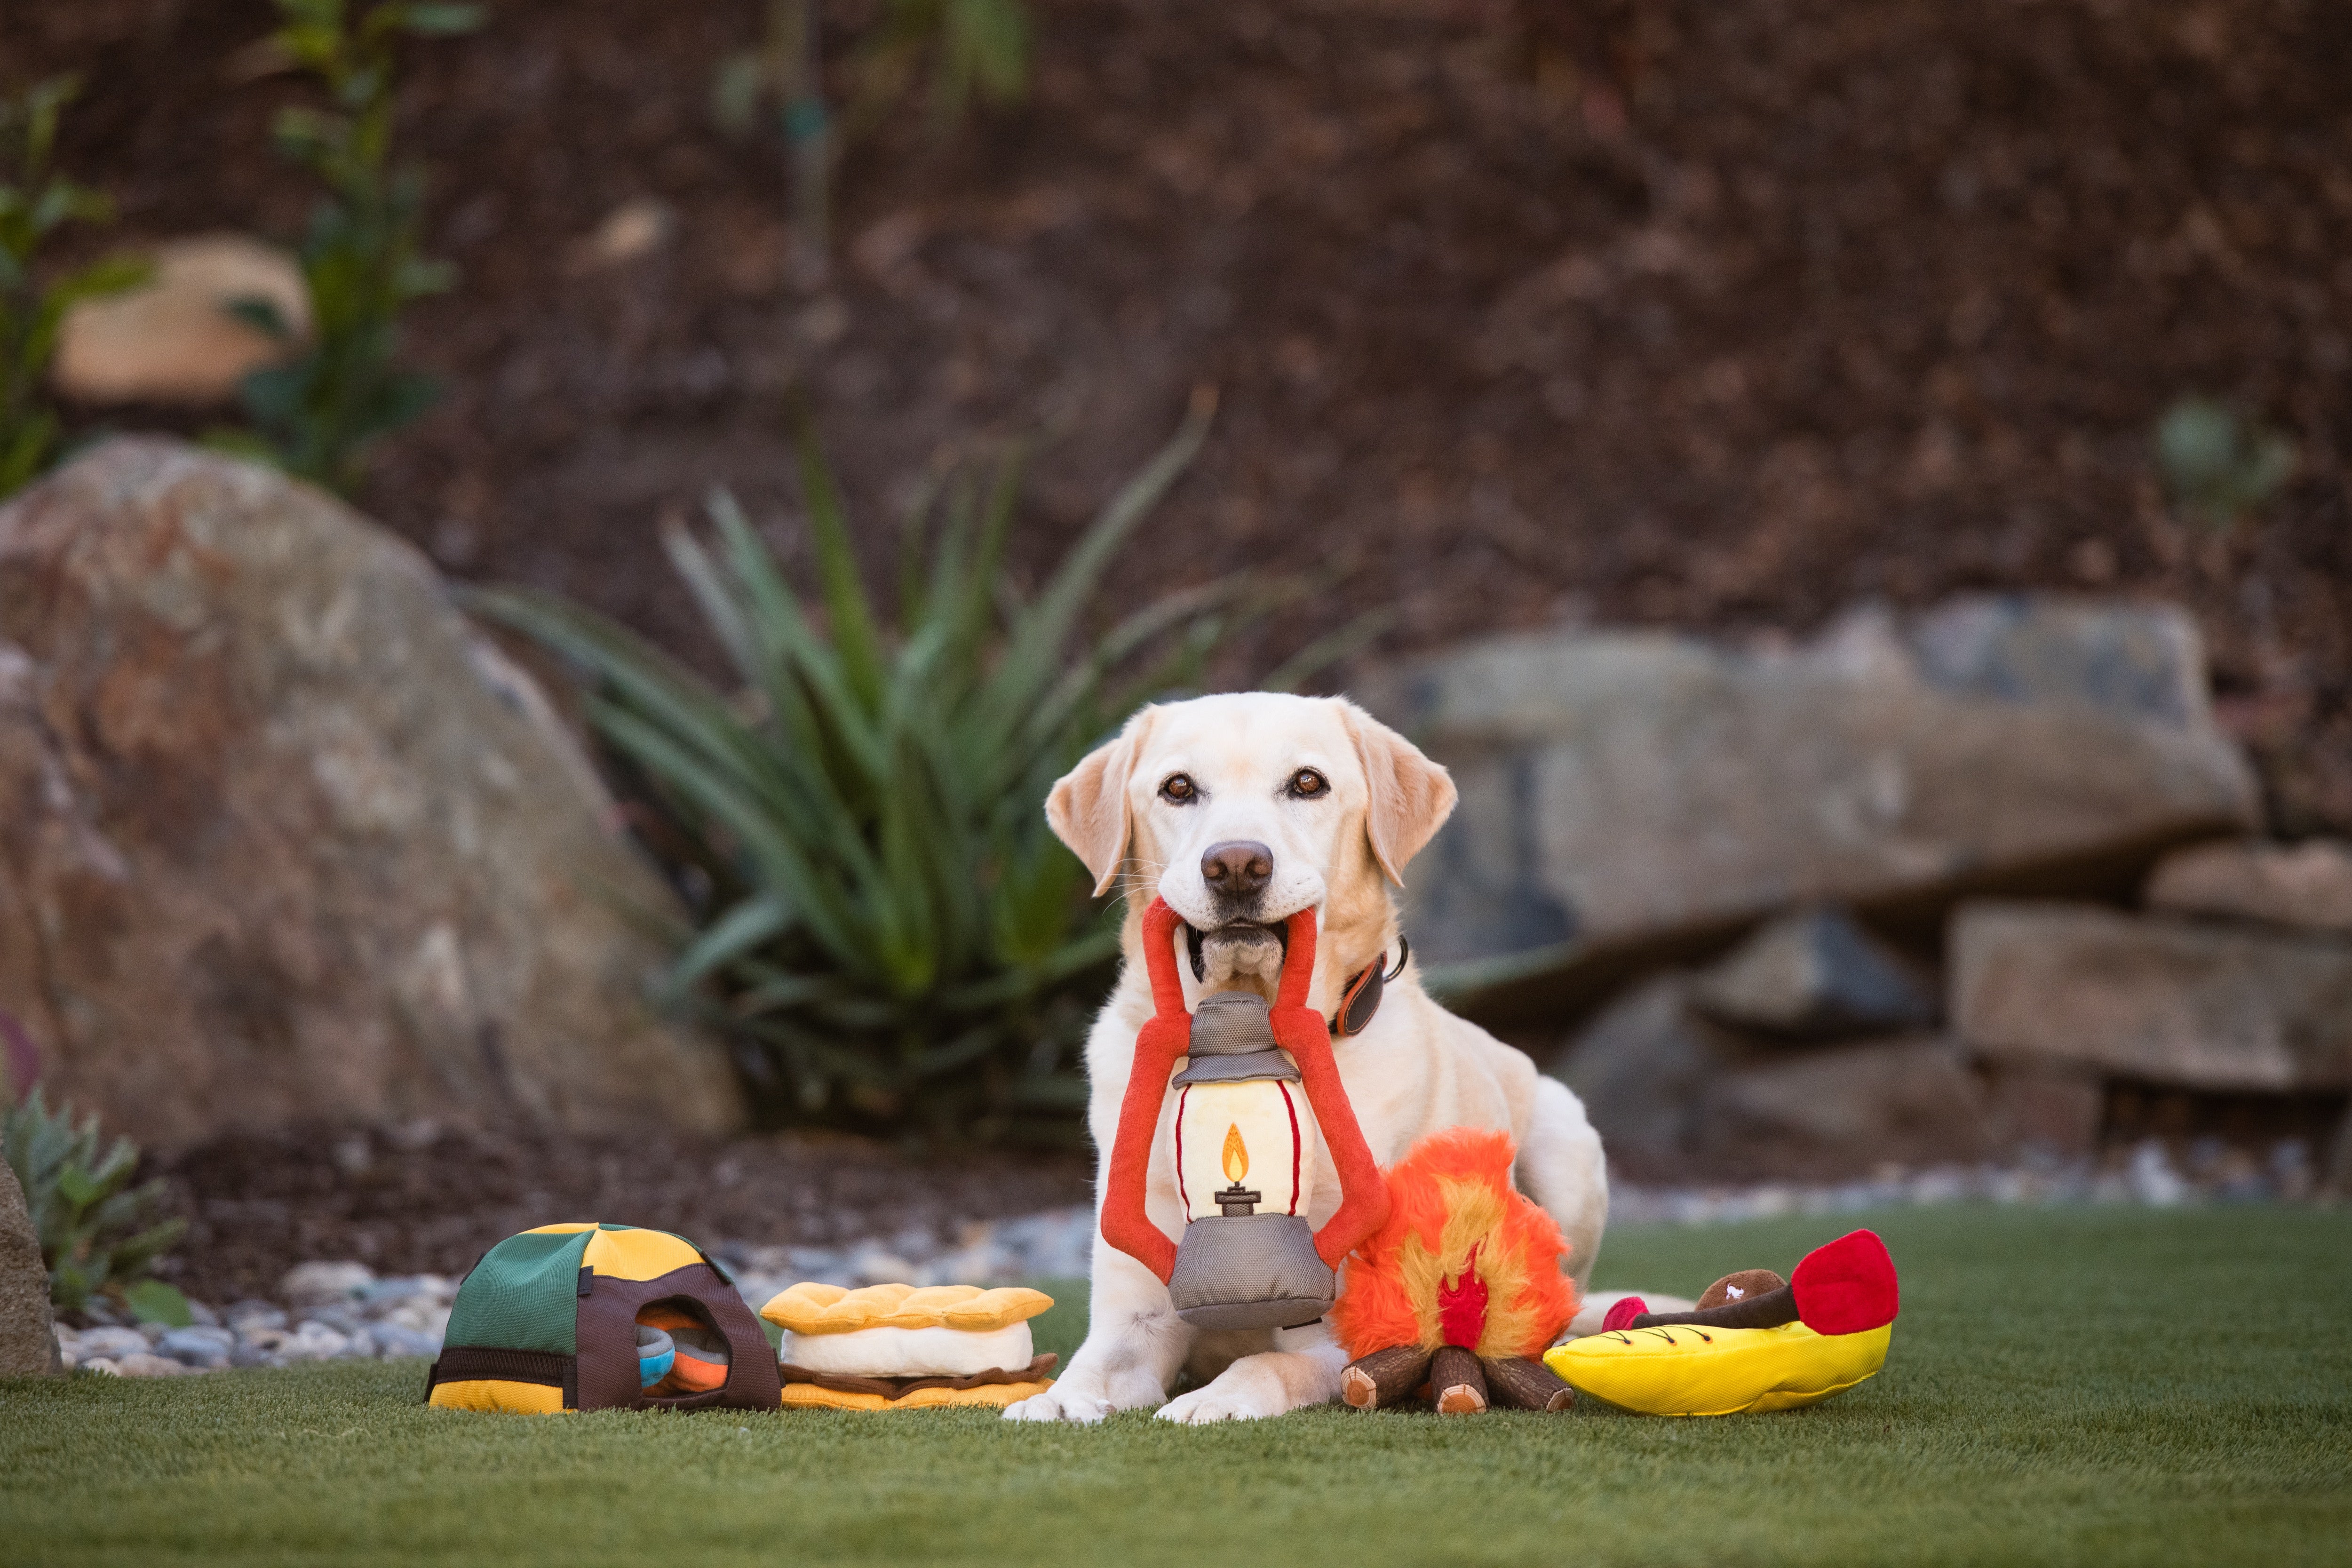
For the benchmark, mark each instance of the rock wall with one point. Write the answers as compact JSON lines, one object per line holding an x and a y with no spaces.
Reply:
{"x":283,"y":837}
{"x":1634,"y":805}
{"x":1624,"y":792}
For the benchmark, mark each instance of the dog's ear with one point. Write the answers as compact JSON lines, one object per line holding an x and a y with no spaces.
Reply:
{"x":1411,"y":796}
{"x":1088,"y":807}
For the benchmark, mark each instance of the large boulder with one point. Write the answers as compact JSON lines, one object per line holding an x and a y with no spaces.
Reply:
{"x":1627,"y":795}
{"x":284,"y":837}
{"x":28,"y":1338}
{"x":2185,"y":1003}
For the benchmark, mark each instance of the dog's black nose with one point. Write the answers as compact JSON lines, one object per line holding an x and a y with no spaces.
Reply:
{"x":1238,"y":868}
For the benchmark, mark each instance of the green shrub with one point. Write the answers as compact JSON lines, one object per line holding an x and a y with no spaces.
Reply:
{"x":892,"y":932}
{"x":362,"y":257}
{"x":98,"y":1234}
{"x":2218,"y":466}
{"x":962,"y":47}
{"x":34,"y":203}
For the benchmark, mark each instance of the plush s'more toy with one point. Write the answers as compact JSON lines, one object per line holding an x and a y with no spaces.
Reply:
{"x":894,"y":1347}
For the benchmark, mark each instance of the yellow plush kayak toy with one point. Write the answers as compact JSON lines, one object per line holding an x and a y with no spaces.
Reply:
{"x":1751,"y":1344}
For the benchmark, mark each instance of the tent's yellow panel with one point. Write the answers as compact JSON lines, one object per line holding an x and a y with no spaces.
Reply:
{"x":637,"y":1254}
{"x":518,"y":1398}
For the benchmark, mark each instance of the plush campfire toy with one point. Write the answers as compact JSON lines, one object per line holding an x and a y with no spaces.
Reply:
{"x":1460,"y":1290}
{"x":1753,"y":1342}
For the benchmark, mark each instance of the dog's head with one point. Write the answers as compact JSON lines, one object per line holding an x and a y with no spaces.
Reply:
{"x":1241,"y":810}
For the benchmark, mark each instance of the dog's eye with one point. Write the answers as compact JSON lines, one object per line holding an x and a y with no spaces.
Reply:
{"x":1177,"y":790}
{"x":1308,"y":785}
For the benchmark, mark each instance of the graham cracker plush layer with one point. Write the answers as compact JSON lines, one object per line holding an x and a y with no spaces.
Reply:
{"x":809,"y":1396}
{"x":812,"y":1309}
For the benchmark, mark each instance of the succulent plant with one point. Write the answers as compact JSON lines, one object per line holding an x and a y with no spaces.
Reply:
{"x":99,"y":1233}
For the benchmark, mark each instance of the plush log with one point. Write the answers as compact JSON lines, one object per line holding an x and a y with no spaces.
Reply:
{"x":1384,"y":1378}
{"x":1518,"y":1383}
{"x":1457,"y":1382}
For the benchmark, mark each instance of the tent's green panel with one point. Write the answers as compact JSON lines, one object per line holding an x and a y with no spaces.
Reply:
{"x":524,"y":1295}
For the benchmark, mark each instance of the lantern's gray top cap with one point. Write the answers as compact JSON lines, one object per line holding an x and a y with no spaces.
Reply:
{"x":1233,"y":1038}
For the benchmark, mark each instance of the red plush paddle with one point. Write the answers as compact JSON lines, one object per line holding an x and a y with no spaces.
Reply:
{"x":1842,"y":1288}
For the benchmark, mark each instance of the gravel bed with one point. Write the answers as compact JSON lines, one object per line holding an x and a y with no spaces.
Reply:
{"x":336,"y":1311}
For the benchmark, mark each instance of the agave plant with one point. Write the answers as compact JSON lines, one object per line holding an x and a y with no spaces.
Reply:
{"x":890,"y":928}
{"x":95,"y":1227}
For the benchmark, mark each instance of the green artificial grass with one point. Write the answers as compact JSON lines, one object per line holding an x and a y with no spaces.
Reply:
{"x":2087,"y":1385}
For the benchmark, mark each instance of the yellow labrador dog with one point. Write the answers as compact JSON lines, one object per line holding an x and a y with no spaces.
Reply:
{"x":1240,"y":811}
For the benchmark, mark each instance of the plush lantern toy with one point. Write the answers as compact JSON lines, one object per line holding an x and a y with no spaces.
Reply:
{"x":1249,"y":1122}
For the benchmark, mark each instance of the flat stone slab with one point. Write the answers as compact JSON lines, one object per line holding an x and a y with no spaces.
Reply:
{"x":1845,"y":1109}
{"x":2153,"y":998}
{"x":2307,"y":885}
{"x":1814,"y":975}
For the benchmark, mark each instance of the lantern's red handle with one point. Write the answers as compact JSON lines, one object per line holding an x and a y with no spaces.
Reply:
{"x":1167,"y":1034}
{"x":1301,"y":1030}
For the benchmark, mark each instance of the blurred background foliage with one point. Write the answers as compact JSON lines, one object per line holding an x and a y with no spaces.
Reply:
{"x":885,"y":925}
{"x":35,"y":201}
{"x":949,"y":51}
{"x":362,"y":256}
{"x":2218,"y":465}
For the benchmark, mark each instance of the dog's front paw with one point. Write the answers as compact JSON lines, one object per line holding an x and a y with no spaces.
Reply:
{"x":1219,"y":1402}
{"x":1056,"y":1404}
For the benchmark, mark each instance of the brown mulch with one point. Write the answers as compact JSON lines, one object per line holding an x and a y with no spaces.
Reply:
{"x":432,"y":1202}
{"x":1720,"y":315}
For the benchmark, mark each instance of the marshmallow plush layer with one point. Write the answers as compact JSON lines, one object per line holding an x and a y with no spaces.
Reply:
{"x":911,"y":1353}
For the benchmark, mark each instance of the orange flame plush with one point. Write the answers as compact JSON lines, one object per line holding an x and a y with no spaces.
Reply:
{"x":1464,"y":1265}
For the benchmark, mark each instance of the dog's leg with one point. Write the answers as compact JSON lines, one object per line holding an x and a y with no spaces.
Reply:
{"x":1134,"y":1344}
{"x":1305,"y":1371}
{"x":1562,"y":1167}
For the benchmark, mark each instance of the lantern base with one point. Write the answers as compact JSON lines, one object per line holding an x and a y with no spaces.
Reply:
{"x":1250,"y":1271}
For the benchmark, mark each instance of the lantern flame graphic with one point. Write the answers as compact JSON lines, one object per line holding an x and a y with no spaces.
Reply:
{"x":1236,"y":1159}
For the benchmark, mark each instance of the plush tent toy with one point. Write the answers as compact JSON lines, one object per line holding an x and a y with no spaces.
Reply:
{"x":1460,"y":1289}
{"x":1751,"y":1344}
{"x":599,"y":1317}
